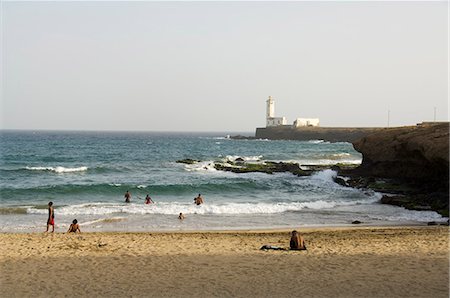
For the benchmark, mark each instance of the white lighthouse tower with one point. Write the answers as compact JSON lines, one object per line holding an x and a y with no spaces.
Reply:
{"x":270,"y":108}
{"x":271,"y":120}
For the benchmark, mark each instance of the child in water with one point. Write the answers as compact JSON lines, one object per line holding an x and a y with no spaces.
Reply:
{"x":148,"y":200}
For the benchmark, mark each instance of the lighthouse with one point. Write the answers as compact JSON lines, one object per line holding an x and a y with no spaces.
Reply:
{"x":271,"y":120}
{"x":270,"y":108}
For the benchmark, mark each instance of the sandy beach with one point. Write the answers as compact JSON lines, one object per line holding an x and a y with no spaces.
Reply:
{"x":339,"y":262}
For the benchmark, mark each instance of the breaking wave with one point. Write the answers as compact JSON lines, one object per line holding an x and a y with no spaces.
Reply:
{"x":58,"y":169}
{"x":175,"y":208}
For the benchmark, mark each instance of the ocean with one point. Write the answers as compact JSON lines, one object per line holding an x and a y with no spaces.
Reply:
{"x":85,"y":175}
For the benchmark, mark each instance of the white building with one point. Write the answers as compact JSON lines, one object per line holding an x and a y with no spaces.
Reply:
{"x":271,"y":120}
{"x":302,"y":122}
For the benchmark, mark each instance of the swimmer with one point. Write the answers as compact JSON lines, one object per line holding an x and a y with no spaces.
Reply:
{"x":198,"y":200}
{"x":127,"y":197}
{"x":181,"y":216}
{"x":148,"y":200}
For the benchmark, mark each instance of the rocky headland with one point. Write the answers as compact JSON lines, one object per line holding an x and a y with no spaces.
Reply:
{"x":409,"y":164}
{"x":330,"y":134}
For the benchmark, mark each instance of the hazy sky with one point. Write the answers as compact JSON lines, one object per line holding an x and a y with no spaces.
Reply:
{"x":210,"y":66}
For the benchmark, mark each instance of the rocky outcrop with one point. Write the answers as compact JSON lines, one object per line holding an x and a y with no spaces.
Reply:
{"x":188,"y":161}
{"x":267,"y":167}
{"x":414,"y":152}
{"x":415,"y":162}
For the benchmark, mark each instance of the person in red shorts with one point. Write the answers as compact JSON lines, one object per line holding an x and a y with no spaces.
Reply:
{"x":51,"y":217}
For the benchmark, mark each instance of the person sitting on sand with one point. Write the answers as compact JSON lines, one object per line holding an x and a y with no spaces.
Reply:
{"x":127,"y":197}
{"x":297,"y":241}
{"x":181,"y":216}
{"x":198,"y":200}
{"x":148,"y":200}
{"x":74,"y":227}
{"x":51,"y":217}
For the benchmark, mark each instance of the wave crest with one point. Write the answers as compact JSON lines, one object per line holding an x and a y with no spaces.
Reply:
{"x":58,"y":169}
{"x":175,"y":208}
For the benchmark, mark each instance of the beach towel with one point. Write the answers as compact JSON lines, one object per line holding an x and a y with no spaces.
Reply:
{"x":271,"y":247}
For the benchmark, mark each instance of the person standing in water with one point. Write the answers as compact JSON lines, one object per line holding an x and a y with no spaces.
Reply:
{"x":181,"y":216}
{"x":148,"y":200}
{"x":198,"y":200}
{"x":127,"y":197}
{"x":51,"y":217}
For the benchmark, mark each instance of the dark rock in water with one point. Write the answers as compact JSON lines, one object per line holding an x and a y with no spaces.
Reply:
{"x":239,"y":159}
{"x":187,"y":161}
{"x":394,"y":200}
{"x":340,"y":181}
{"x":268,"y":168}
{"x":418,"y":202}
{"x":432,"y":223}
{"x":356,"y":222}
{"x":360,"y":182}
{"x":240,"y":137}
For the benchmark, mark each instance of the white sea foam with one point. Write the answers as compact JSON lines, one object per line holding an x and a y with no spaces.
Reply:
{"x":325,"y":175}
{"x":175,"y":208}
{"x":318,"y":142}
{"x":394,"y":213}
{"x":115,"y":184}
{"x":58,"y":169}
{"x":142,"y":186}
{"x":330,"y":161}
{"x":245,"y":158}
{"x":104,"y":220}
{"x":338,"y":155}
{"x":209,"y":164}
{"x":201,"y":166}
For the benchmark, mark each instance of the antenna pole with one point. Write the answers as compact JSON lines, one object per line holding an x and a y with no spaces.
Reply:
{"x":389,"y":118}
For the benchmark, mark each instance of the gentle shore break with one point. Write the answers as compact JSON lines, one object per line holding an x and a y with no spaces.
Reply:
{"x":339,"y":262}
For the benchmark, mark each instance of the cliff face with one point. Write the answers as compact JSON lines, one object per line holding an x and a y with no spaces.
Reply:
{"x":418,"y":153}
{"x":416,"y":161}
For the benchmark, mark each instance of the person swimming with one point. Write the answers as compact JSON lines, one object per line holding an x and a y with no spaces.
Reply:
{"x":181,"y":216}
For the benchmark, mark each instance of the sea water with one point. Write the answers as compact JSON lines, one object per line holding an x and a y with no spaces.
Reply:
{"x":85,"y":175}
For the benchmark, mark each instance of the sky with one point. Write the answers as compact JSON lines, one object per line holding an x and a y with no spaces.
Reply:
{"x":210,"y":66}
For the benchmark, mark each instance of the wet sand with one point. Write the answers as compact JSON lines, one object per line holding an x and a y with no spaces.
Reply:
{"x":339,"y":262}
